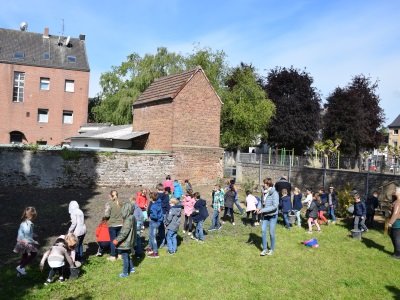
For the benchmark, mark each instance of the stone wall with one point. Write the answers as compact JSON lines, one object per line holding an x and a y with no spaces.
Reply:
{"x":313,"y":177}
{"x":50,"y":169}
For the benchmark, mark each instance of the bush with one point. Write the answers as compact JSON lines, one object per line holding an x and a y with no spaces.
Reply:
{"x":345,"y":199}
{"x":249,"y":185}
{"x":67,"y":154}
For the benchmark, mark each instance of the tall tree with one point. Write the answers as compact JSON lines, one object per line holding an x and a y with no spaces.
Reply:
{"x":353,"y":114}
{"x":296,"y":122}
{"x":246,"y":109}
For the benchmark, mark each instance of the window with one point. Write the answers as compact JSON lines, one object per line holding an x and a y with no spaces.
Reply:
{"x":41,"y":142}
{"x":46,"y":55}
{"x":18,"y":90}
{"x":43,"y":115}
{"x":19,"y":55}
{"x":395,"y":131}
{"x":71,"y":59}
{"x":68,"y":117}
{"x":16,"y":137}
{"x":69,"y":86}
{"x":44,"y":84}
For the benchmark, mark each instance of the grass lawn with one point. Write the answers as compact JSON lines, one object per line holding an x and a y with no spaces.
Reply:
{"x":226,"y":266}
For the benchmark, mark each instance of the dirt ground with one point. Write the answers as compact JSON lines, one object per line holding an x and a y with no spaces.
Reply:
{"x":53,"y":217}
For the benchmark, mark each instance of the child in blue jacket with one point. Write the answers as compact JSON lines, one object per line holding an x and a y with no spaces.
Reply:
{"x":200,"y":215}
{"x":156,"y":219}
{"x":359,"y":213}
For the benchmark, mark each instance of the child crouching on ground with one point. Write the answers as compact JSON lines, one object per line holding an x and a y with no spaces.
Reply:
{"x":172,"y":222}
{"x":125,"y":240}
{"x":200,"y":207}
{"x":102,"y":236}
{"x":56,"y":257}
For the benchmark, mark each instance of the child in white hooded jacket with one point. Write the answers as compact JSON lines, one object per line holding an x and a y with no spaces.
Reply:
{"x":78,"y":228}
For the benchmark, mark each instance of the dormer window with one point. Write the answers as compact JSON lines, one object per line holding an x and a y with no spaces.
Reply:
{"x":46,"y":55}
{"x":71,"y":59}
{"x":19,"y":55}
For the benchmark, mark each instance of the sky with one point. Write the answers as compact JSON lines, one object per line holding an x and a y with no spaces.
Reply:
{"x":333,"y":40}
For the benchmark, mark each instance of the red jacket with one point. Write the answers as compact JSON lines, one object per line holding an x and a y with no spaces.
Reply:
{"x":102,"y":233}
{"x":141,"y":200}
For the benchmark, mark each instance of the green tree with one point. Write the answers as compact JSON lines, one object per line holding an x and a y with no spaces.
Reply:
{"x":353,"y":114}
{"x":297,"y":120}
{"x":246,"y":109}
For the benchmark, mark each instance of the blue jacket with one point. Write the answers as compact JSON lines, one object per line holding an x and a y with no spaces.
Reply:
{"x":286,"y":204}
{"x":269,"y":205}
{"x":360,"y":209}
{"x":324,"y":200}
{"x":201,"y":206}
{"x":156,"y":213}
{"x":297,"y":205}
{"x":164,"y":202}
{"x":178,"y":192}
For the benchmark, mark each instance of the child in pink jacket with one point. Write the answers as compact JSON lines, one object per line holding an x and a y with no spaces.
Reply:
{"x":188,"y":207}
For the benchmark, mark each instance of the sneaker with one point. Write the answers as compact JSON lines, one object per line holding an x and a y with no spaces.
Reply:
{"x":212,"y":229}
{"x":219,"y":228}
{"x":233,"y":224}
{"x":183,"y":231}
{"x":193,"y":238}
{"x":99,"y":254}
{"x":48,"y":281}
{"x":222,"y":222}
{"x":270,"y":252}
{"x":111,"y":258}
{"x":21,"y":271}
{"x":189,"y":233}
{"x":150,"y":252}
{"x":61,"y":279}
{"x":263,"y":253}
{"x":256,"y":224}
{"x":123,"y":275}
{"x":171,"y":252}
{"x":132,"y":271}
{"x":153,"y":255}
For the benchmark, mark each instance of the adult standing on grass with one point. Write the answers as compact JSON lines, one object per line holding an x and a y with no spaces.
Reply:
{"x":114,"y":216}
{"x":78,"y":228}
{"x":394,"y":224}
{"x":232,"y":186}
{"x":268,"y":208}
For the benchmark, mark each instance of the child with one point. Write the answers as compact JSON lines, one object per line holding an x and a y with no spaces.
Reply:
{"x":77,"y":227}
{"x":172,"y":222}
{"x":322,"y":206}
{"x":141,"y":199}
{"x":188,"y":207}
{"x":56,"y":257}
{"x":138,"y":215}
{"x":26,"y":245}
{"x":125,"y":240}
{"x":156,"y":219}
{"x":177,"y":190}
{"x":229,"y":200}
{"x":251,"y":207}
{"x":102,"y":236}
{"x":359,"y":213}
{"x":217,"y":203}
{"x":312,"y":213}
{"x":286,"y":207}
{"x":168,"y":183}
{"x":71,"y":241}
{"x":188,"y":185}
{"x":297,"y":205}
{"x":201,"y":208}
{"x":372,"y":203}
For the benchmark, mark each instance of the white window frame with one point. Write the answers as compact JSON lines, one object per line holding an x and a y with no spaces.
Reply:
{"x":44,"y":83}
{"x":18,"y":87}
{"x":43,"y":115}
{"x":69,"y":86}
{"x":68,"y":117}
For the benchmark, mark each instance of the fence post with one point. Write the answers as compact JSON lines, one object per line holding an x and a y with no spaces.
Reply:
{"x":290,"y":167}
{"x":269,"y":155}
{"x":338,"y":160}
{"x":260,"y":171}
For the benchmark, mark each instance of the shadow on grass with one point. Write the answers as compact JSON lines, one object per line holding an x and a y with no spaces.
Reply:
{"x":255,"y":240}
{"x":372,"y":244}
{"x":395,"y":291}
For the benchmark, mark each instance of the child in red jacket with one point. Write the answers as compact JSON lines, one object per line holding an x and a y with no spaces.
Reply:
{"x":102,"y":236}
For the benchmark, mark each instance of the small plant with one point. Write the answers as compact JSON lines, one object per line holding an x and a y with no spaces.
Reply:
{"x":248,"y":185}
{"x":345,"y":200}
{"x":31,"y":147}
{"x":67,"y":154}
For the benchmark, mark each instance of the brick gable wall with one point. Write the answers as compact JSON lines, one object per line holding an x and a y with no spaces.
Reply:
{"x":14,"y":117}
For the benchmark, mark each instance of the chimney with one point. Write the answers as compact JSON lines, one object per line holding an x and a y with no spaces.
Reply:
{"x":82,"y":37}
{"x":46,"y":33}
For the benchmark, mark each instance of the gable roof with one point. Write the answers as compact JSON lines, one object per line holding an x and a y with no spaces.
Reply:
{"x":119,"y":132}
{"x":168,"y":87}
{"x":34,"y":46}
{"x":395,"y":123}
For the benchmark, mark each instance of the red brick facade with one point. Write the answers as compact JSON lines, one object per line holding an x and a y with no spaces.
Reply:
{"x":23,"y":116}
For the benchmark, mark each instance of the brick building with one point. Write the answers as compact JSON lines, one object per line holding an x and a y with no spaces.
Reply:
{"x":182,"y":114}
{"x":44,"y":87}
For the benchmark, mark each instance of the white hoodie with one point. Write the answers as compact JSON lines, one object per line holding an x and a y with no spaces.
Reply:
{"x":78,"y":226}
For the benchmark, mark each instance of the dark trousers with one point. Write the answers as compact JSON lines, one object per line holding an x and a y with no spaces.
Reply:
{"x":369,"y":221}
{"x":54,"y":271}
{"x":103,"y":246}
{"x":229,"y":211}
{"x":253,"y":216}
{"x":395,"y":236}
{"x":26,"y":259}
{"x":188,"y":225}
